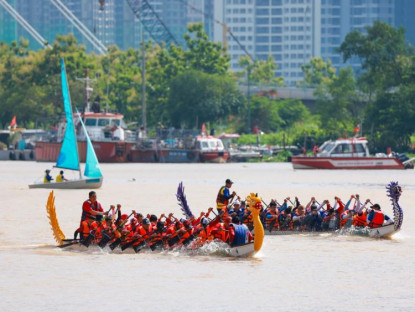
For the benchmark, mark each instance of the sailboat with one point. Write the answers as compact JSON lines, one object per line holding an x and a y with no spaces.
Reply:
{"x":68,"y":157}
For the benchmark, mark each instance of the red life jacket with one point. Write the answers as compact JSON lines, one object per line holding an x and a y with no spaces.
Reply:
{"x":377,"y":219}
{"x":360,"y":220}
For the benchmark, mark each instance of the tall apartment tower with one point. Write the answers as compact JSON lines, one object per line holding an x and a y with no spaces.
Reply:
{"x":339,"y":17}
{"x":289,"y":30}
{"x":404,"y":16}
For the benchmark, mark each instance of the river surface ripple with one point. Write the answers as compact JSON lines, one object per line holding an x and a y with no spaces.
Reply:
{"x":291,"y":273}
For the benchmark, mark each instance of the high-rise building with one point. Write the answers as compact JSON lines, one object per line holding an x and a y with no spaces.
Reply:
{"x":286,"y":29}
{"x":8,"y":26}
{"x":404,"y":16}
{"x":292,"y":31}
{"x":339,"y":17}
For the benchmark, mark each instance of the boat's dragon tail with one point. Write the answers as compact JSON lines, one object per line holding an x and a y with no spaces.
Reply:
{"x":53,"y":220}
{"x":182,"y":201}
{"x":394,"y":193}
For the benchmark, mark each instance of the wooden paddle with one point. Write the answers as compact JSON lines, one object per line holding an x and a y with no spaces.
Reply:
{"x":106,"y":238}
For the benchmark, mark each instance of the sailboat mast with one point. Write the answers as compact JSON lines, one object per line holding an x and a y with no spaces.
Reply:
{"x":143,"y":83}
{"x":70,"y":104}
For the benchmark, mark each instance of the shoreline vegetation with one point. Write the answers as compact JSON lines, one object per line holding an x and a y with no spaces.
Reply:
{"x":188,"y":87}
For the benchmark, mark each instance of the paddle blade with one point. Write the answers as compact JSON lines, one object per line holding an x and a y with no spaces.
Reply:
{"x":87,"y":241}
{"x":125,"y":246}
{"x":104,"y":240}
{"x":188,"y":240}
{"x":173,"y":241}
{"x":115,"y":244}
{"x":138,"y":247}
{"x":156,"y":245}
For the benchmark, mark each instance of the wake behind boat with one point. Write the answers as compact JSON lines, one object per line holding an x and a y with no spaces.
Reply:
{"x":69,"y":156}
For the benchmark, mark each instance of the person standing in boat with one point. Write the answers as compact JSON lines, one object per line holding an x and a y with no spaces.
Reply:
{"x":91,"y":211}
{"x":47,"y":178}
{"x":60,"y":177}
{"x":224,"y":196}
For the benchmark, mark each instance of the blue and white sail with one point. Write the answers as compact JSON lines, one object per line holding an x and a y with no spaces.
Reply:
{"x":92,"y":169}
{"x":68,"y":156}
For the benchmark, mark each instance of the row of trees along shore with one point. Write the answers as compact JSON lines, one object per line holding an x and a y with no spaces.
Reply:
{"x":188,"y":87}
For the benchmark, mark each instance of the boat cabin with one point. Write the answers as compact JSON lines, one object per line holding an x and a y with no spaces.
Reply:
{"x":209,"y":144}
{"x":104,"y":126}
{"x":354,"y":147}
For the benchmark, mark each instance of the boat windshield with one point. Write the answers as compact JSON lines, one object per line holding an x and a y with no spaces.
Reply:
{"x":326,"y":147}
{"x":90,"y":122}
{"x":102,"y":122}
{"x":115,"y":122}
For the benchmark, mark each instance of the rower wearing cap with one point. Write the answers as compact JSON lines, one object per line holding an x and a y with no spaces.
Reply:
{"x":224,"y":196}
{"x":376,"y":217}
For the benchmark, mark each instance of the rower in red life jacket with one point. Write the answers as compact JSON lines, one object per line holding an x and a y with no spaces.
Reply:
{"x":376,"y":217}
{"x":224,"y":196}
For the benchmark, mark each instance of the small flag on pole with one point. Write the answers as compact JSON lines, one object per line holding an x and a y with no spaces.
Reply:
{"x":13,"y":123}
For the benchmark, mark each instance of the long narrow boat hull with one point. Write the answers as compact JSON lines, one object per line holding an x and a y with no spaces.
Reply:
{"x":242,"y":251}
{"x":385,"y":231}
{"x":239,"y":251}
{"x":88,"y":183}
{"x":309,"y":162}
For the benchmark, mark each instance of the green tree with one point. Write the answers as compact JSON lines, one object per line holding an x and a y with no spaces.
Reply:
{"x":260,"y":71}
{"x":383,"y":51}
{"x":339,"y":105}
{"x":317,"y":72}
{"x":391,"y":119}
{"x":202,"y":54}
{"x":196,"y":97}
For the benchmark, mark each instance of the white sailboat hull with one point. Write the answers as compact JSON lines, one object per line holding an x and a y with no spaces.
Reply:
{"x":88,"y":183}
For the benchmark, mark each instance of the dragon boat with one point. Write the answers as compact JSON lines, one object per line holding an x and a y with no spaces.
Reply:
{"x":213,"y":247}
{"x":393,"y":191}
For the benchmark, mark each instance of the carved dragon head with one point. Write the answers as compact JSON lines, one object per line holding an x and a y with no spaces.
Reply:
{"x":254,"y":203}
{"x":394,"y":191}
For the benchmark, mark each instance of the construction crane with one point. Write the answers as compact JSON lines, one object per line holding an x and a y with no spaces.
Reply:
{"x":42,"y":41}
{"x":151,"y":22}
{"x":96,"y":43}
{"x":225,"y":28}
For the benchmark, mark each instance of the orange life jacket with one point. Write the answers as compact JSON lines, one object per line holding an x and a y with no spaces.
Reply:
{"x":273,"y":222}
{"x":360,"y":220}
{"x":377,"y":219}
{"x":219,"y":232}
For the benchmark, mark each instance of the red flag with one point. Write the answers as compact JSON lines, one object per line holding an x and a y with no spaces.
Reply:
{"x":13,"y":123}
{"x":356,"y":129}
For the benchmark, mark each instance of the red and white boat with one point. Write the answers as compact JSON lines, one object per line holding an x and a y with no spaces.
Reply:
{"x":112,"y":143}
{"x":211,"y":149}
{"x":350,"y":153}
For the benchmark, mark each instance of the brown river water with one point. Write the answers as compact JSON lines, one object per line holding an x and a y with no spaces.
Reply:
{"x":321,"y":272}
